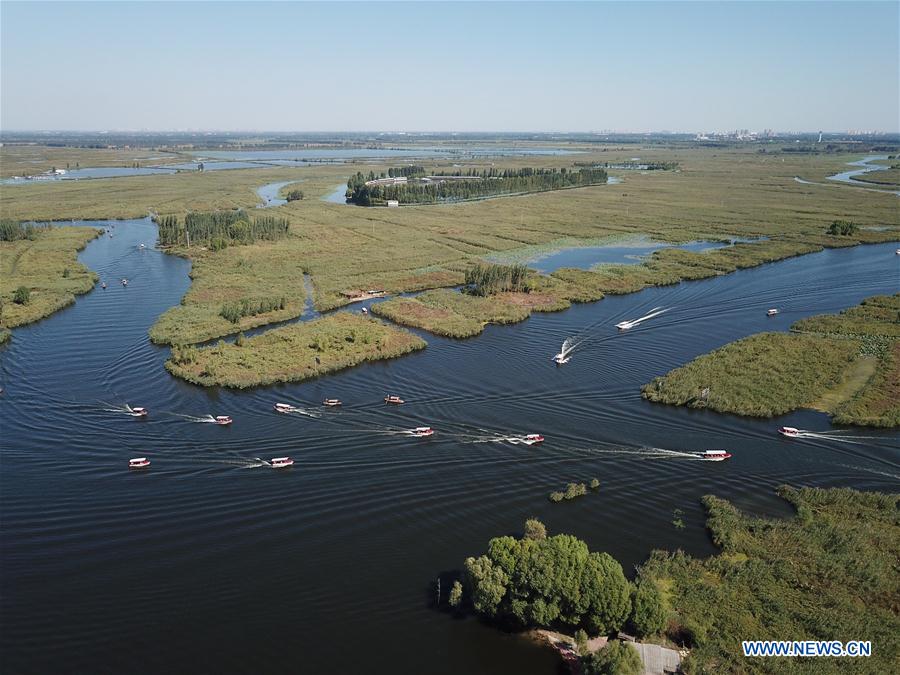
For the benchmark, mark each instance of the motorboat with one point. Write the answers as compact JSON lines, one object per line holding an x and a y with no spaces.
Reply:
{"x":223,"y":419}
{"x":790,"y":432}
{"x":138,"y":412}
{"x":423,"y":431}
{"x":624,"y":325}
{"x":559,"y":359}
{"x":714,"y":455}
{"x":141,"y":246}
{"x":331,"y":402}
{"x":364,"y":310}
{"x":102,"y":284}
{"x":281,"y":462}
{"x":138,"y":463}
{"x":396,"y":400}
{"x":772,"y":312}
{"x":532,"y":439}
{"x":284,"y":408}
{"x":124,"y":282}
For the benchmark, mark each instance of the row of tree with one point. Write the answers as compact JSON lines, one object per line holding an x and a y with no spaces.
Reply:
{"x":484,"y":279}
{"x":235,"y":311}
{"x":482,"y":183}
{"x":408,"y":171}
{"x":218,"y":229}
{"x":13,"y":230}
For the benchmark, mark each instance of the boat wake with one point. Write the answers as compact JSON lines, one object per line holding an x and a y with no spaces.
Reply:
{"x":205,"y":419}
{"x":836,"y":435}
{"x":565,"y":352}
{"x":631,"y":323}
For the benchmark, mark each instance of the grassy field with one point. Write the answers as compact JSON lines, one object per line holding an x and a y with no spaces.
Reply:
{"x":21,"y":160}
{"x":293,"y":353}
{"x":828,"y":573}
{"x":717,"y":193}
{"x":846,"y":364}
{"x":48,"y":267}
{"x":889,"y":177}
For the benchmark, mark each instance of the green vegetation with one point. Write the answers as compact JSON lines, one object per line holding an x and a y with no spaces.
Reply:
{"x":462,"y":185}
{"x":890,"y":177}
{"x":219,"y":229}
{"x":5,"y":336}
{"x":293,"y":353}
{"x":842,"y":228}
{"x":544,"y":582}
{"x":827,"y":574}
{"x":235,"y":311}
{"x":848,"y":361}
{"x":616,"y":658}
{"x":535,"y":529}
{"x":13,"y":230}
{"x":294,"y":195}
{"x":572,"y":491}
{"x":492,"y":279}
{"x":40,"y":273}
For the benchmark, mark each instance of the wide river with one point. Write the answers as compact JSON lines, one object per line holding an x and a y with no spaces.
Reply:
{"x":205,"y":564}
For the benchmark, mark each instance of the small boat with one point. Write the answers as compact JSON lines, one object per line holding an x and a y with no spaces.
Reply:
{"x":102,"y":284}
{"x":772,"y":312}
{"x":531,"y":439}
{"x":138,"y":412}
{"x":423,"y":431}
{"x":714,"y":455}
{"x":284,"y":408}
{"x":624,"y":325}
{"x":364,"y":310}
{"x":559,"y":359}
{"x":898,"y":251}
{"x":331,"y":402}
{"x":124,"y":282}
{"x":223,"y":419}
{"x":281,"y":462}
{"x":141,"y":246}
{"x":790,"y":432}
{"x":138,"y":463}
{"x":396,"y":400}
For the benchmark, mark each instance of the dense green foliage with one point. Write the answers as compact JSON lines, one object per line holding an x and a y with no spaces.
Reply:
{"x":572,"y":491}
{"x":554,"y":581}
{"x":408,"y":171}
{"x":235,"y":311}
{"x":830,"y":573}
{"x":616,"y":658}
{"x":484,"y":279}
{"x":467,"y":184}
{"x":648,"y":616}
{"x":13,"y":230}
{"x":843,"y":228}
{"x":294,"y":195}
{"x":219,"y":229}
{"x":22,"y":295}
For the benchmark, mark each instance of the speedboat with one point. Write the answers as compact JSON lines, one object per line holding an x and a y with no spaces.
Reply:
{"x":331,"y":402}
{"x":141,"y":246}
{"x":559,"y":359}
{"x":772,"y":312}
{"x":714,"y":455}
{"x":423,"y":431}
{"x":531,"y":439}
{"x":138,"y":412}
{"x":102,"y":284}
{"x":284,"y":408}
{"x":364,"y":310}
{"x":223,"y":419}
{"x":281,"y":462}
{"x":124,"y":282}
{"x":790,"y":432}
{"x":624,"y":325}
{"x":138,"y":463}
{"x":396,"y":400}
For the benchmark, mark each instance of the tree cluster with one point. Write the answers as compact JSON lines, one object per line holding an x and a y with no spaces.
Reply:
{"x":843,"y":228}
{"x":219,"y":229}
{"x":548,"y":581}
{"x":295,"y":195}
{"x":490,"y":279}
{"x":235,"y":311}
{"x":408,"y":171}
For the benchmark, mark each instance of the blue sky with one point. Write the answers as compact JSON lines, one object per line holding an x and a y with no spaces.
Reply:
{"x":637,"y":66}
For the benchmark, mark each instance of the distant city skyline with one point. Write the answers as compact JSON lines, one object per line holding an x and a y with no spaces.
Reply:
{"x":683,"y":67}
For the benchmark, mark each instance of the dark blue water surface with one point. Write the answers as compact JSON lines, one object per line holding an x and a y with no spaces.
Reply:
{"x":209,"y":563}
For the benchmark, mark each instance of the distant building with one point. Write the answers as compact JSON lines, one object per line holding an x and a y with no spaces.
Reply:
{"x":393,"y":202}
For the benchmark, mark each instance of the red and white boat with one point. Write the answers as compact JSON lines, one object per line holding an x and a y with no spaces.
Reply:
{"x":790,"y":432}
{"x":281,"y":462}
{"x":715,"y":455}
{"x":138,"y":463}
{"x":396,"y":400}
{"x":422,"y":431}
{"x":531,"y":439}
{"x":284,"y":408}
{"x":223,"y":419}
{"x":138,"y":412}
{"x":331,"y":402}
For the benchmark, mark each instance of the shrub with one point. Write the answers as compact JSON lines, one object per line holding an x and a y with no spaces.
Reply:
{"x":648,"y":616}
{"x":616,"y":658}
{"x":557,"y":496}
{"x":842,"y":228}
{"x":535,"y":529}
{"x":595,"y":483}
{"x":456,"y":593}
{"x":22,"y":295}
{"x":295,"y":195}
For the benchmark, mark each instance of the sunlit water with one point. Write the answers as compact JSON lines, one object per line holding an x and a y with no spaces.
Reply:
{"x":210,"y":561}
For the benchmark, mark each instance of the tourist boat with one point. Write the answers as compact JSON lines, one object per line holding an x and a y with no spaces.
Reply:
{"x":531,"y":439}
{"x":423,"y":431}
{"x":331,"y":402}
{"x":223,"y":419}
{"x":772,"y":312}
{"x":281,"y":462}
{"x":284,"y":408}
{"x":714,"y":455}
{"x":790,"y":432}
{"x":138,"y":412}
{"x":138,"y":463}
{"x":396,"y":400}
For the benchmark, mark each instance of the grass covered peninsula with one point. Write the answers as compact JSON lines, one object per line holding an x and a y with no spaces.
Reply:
{"x":292,"y":353}
{"x":846,"y":364}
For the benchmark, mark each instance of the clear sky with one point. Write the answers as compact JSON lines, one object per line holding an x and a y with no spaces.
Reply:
{"x":555,"y":66}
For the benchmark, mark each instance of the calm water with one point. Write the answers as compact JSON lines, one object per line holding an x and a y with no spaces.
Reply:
{"x":381,"y":153}
{"x":203,"y":564}
{"x":269,"y":194}
{"x":847,"y":176}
